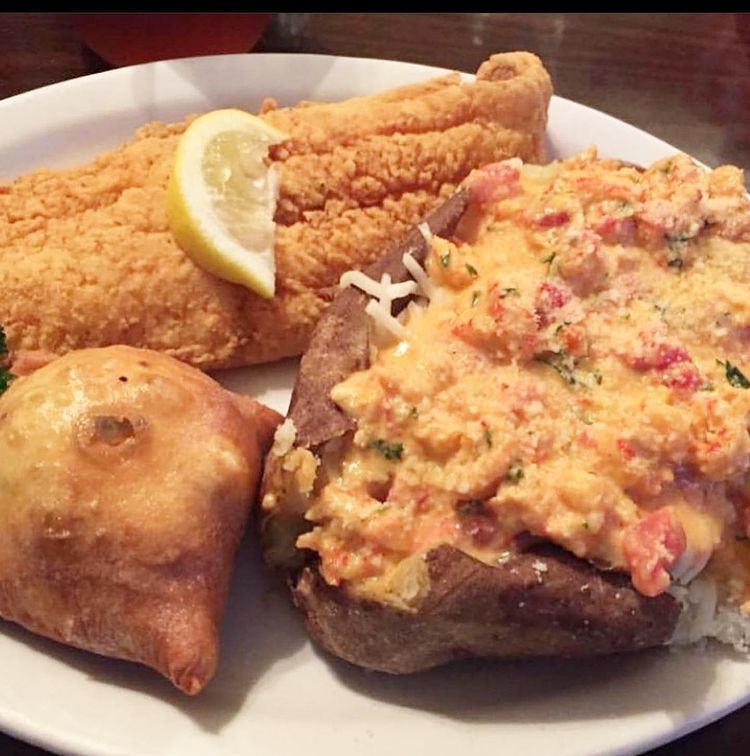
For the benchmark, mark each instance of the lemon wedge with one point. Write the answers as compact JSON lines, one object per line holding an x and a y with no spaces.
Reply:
{"x":221,"y":197}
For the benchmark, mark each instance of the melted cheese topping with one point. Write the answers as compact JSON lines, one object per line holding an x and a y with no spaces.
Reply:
{"x":579,"y":377}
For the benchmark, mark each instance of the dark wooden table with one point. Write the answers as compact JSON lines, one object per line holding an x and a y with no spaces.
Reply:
{"x":683,"y":77}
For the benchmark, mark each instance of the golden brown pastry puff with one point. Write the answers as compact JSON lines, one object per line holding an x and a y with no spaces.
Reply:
{"x":126,"y":479}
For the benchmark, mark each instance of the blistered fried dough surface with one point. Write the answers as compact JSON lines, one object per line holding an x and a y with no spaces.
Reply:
{"x":126,"y":479}
{"x":86,"y":258}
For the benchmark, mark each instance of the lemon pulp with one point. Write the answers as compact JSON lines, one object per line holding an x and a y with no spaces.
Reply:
{"x":221,"y":197}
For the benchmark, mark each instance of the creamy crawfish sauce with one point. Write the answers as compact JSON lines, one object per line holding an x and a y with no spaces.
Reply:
{"x":564,"y":382}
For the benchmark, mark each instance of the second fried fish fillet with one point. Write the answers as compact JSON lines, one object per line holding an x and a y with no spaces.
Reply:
{"x":87,"y":259}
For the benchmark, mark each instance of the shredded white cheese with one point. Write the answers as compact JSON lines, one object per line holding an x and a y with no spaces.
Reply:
{"x":377,"y":288}
{"x":384,"y":292}
{"x":385,"y":320}
{"x":426,"y":232}
{"x":426,"y":289}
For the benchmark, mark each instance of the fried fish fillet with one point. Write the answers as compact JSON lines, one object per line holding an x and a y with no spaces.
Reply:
{"x":86,"y":257}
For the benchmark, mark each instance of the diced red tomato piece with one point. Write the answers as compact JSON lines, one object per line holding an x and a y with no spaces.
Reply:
{"x":626,"y":448}
{"x":614,"y":230}
{"x":548,"y":298}
{"x":551,"y":220}
{"x":494,"y":182}
{"x":683,"y":377}
{"x":656,"y":354}
{"x":651,"y":547}
{"x":671,"y":360}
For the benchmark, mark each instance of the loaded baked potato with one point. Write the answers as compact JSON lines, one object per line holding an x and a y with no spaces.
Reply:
{"x":524,"y":431}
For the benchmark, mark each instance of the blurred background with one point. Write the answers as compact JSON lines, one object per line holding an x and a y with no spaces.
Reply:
{"x":684,"y":77}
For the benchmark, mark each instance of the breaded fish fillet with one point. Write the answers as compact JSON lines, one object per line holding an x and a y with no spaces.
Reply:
{"x":86,"y":257}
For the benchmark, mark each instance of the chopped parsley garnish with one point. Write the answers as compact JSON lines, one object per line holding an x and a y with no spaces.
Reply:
{"x":474,"y":298}
{"x":507,"y":290}
{"x":445,"y":260}
{"x":585,"y":524}
{"x":488,"y":437}
{"x":558,"y":362}
{"x":472,"y":270}
{"x":391,"y":451}
{"x":734,"y":375}
{"x":598,"y":378}
{"x":707,"y":387}
{"x":414,"y":412}
{"x":5,"y":379}
{"x":5,"y":375}
{"x":515,"y":473}
{"x":471,"y":508}
{"x":549,"y":260}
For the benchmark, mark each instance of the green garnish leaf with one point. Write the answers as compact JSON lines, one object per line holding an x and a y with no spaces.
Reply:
{"x":472,"y":270}
{"x":445,"y":260}
{"x":515,"y":473}
{"x":585,"y":524}
{"x":6,"y":377}
{"x":734,"y":375}
{"x":488,"y":437}
{"x":391,"y":451}
{"x":598,"y":378}
{"x":557,"y":361}
{"x":414,"y":412}
{"x":474,"y":298}
{"x":506,"y":291}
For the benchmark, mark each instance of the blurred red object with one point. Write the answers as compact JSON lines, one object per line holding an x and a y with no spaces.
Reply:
{"x":124,"y":39}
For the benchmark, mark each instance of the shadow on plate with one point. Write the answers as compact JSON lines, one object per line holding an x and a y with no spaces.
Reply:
{"x":538,"y":691}
{"x":260,"y":628}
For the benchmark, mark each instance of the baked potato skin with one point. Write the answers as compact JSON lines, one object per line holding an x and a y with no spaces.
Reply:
{"x":565,"y":608}
{"x":514,"y":610}
{"x":340,"y":343}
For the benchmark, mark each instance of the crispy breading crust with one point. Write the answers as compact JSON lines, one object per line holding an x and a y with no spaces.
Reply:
{"x":86,"y":257}
{"x":543,"y":602}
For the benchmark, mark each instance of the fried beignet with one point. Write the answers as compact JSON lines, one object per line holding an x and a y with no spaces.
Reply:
{"x":126,"y":478}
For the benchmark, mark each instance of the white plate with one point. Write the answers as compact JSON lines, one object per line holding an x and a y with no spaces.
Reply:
{"x":273,"y":693}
